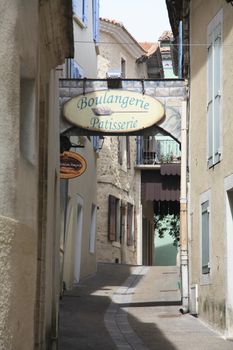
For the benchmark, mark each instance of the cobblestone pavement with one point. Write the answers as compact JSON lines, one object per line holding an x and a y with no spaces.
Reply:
{"x":131,"y":307}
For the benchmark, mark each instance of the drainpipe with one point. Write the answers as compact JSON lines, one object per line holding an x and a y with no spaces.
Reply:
{"x":180,"y":50}
{"x":183,"y":214}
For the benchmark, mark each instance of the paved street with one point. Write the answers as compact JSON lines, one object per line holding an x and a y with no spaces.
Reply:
{"x":131,"y":307}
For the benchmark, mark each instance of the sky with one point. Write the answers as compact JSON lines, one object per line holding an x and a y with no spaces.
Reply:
{"x":144,"y":19}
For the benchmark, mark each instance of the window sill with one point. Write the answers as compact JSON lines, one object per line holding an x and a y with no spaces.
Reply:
{"x":205,"y":279}
{"x":211,"y":166}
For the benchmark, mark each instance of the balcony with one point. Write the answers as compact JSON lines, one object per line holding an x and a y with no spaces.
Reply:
{"x":157,"y":150}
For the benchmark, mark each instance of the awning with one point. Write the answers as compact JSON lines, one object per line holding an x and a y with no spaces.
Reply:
{"x":157,"y":187}
{"x":170,"y":169}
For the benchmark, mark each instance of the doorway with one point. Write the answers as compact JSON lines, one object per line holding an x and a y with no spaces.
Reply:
{"x":229,"y":262}
{"x":78,"y":240}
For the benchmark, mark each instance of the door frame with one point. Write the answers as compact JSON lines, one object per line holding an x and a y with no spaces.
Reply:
{"x":228,"y":189}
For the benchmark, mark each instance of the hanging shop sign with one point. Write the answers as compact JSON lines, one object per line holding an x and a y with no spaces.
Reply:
{"x":71,"y":165}
{"x":113,"y":111}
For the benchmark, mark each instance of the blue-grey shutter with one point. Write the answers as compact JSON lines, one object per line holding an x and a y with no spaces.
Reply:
{"x":96,"y":20}
{"x":85,"y":12}
{"x":75,"y":6}
{"x":210,"y":103}
{"x":72,"y":70}
{"x":217,"y":92}
{"x":205,"y":237}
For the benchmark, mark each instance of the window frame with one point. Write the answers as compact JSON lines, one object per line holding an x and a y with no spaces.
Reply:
{"x":205,"y":278}
{"x":214,"y":98}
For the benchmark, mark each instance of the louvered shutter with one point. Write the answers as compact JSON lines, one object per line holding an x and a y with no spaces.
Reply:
{"x":217,"y":92}
{"x":75,"y":5}
{"x":85,"y":12}
{"x":214,"y":94}
{"x":111,"y":218}
{"x":129,"y":223}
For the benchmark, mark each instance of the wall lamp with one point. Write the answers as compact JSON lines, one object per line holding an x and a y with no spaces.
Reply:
{"x":65,"y":144}
{"x":230,"y":2}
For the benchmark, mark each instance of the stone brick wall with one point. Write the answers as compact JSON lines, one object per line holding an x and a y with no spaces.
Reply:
{"x":115,"y":179}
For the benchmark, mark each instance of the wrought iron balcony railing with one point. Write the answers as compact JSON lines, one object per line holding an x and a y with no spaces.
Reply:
{"x":152,"y":150}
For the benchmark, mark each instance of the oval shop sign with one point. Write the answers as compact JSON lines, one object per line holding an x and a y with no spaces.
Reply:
{"x":113,"y":111}
{"x":71,"y":165}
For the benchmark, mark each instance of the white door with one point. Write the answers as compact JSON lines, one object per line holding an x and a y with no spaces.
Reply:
{"x":78,"y":240}
{"x":229,"y":248}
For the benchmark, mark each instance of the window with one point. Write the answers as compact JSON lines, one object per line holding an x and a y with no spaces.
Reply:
{"x":205,"y":241}
{"x":114,"y":219}
{"x":73,"y":70}
{"x":95,"y":4}
{"x":214,"y":89}
{"x":80,"y":10}
{"x":123,"y":68}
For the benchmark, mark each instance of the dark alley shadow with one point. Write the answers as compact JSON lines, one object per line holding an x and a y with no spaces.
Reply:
{"x":153,"y":303}
{"x":83,"y":309}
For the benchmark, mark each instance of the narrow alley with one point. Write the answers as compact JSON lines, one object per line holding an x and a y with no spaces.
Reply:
{"x":131,"y":307}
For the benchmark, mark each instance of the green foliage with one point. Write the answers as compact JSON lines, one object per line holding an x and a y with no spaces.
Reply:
{"x":166,"y":158}
{"x":168,"y":224}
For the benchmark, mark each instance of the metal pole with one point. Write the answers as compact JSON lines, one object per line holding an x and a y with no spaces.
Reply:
{"x":183,"y":213}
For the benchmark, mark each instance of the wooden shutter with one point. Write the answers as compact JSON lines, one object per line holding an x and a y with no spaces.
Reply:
{"x":76,"y":7}
{"x":217,"y":92}
{"x":214,"y":94}
{"x":111,"y":218}
{"x":122,"y":221}
{"x":129,"y":224}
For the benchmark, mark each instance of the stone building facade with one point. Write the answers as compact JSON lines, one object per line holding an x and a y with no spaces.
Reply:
{"x":118,"y":199}
{"x":118,"y":192}
{"x":78,"y":195}
{"x":210,"y":156}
